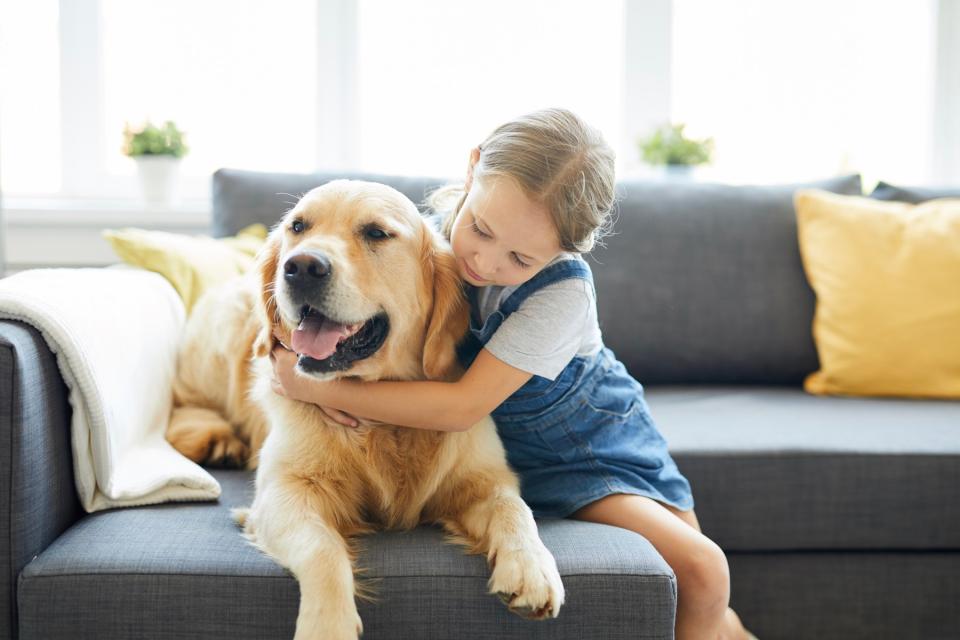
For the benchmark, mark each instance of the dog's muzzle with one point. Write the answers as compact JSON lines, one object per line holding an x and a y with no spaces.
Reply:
{"x":326,"y":344}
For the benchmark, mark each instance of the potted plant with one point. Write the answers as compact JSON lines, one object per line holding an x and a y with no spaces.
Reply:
{"x":157,"y":152}
{"x":668,"y":146}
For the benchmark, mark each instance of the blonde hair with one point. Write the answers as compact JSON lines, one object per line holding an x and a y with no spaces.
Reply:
{"x":558,"y":161}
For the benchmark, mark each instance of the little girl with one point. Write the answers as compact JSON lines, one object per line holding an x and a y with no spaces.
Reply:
{"x":574,"y":423}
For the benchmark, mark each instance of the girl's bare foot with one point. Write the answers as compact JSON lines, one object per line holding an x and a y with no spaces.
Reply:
{"x":733,"y":628}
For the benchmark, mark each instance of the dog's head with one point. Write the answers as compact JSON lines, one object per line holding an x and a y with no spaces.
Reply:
{"x":356,"y":283}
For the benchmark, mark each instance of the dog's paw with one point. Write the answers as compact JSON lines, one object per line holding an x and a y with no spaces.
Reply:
{"x":527,"y":581}
{"x":344,"y":625}
{"x":205,"y":437}
{"x":240,"y":515}
{"x":230,"y":452}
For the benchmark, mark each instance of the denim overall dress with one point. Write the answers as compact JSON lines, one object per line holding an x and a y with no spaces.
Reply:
{"x":585,"y":435}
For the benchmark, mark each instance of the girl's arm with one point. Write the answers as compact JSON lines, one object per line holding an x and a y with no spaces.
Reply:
{"x":440,"y":406}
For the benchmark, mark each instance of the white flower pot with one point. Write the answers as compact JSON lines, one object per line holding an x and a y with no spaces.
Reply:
{"x":677,"y":172}
{"x":159,"y":179}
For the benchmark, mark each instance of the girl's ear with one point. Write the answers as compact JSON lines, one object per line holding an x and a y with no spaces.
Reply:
{"x":449,"y":316}
{"x":474,"y":159}
{"x":265,"y":270}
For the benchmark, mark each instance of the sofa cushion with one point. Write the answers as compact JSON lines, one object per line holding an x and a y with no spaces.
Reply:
{"x":886,"y":278}
{"x":703,"y":283}
{"x":191,"y":263}
{"x":778,"y":469}
{"x":242,"y":198}
{"x":184,"y":571}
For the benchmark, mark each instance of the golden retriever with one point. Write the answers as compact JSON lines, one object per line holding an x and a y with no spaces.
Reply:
{"x":356,"y":280}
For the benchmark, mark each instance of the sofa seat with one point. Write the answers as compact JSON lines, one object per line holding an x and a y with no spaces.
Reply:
{"x":774,"y":468}
{"x":184,"y":571}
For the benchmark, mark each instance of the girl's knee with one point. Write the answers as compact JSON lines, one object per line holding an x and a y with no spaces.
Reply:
{"x":703,"y":577}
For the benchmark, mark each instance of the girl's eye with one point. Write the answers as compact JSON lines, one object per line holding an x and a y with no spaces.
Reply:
{"x":297,"y":226}
{"x":476,"y":229}
{"x":520,"y":263}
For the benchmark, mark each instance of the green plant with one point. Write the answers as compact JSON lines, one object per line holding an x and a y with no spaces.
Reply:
{"x":150,"y":140}
{"x":668,"y":145}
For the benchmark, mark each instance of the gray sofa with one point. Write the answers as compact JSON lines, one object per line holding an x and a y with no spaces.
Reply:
{"x":840,"y":517}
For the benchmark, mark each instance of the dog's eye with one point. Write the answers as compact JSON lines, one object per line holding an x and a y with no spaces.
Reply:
{"x":375,"y":233}
{"x":297,"y":226}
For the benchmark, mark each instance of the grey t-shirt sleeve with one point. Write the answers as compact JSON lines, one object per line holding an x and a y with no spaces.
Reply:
{"x":546,"y":331}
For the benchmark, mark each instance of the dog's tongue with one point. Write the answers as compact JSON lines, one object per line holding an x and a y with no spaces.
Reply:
{"x":317,"y":337}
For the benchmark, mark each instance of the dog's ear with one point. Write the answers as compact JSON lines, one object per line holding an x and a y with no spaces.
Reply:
{"x":449,"y":315}
{"x":265,"y":272}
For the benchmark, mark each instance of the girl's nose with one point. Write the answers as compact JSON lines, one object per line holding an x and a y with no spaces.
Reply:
{"x":485,"y":266}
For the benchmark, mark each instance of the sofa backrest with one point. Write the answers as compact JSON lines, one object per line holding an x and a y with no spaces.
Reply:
{"x":242,"y":198}
{"x":704,"y":283}
{"x":913,"y":195}
{"x":700,"y":283}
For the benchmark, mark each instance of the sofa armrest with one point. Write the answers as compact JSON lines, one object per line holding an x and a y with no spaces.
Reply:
{"x":38,"y":499}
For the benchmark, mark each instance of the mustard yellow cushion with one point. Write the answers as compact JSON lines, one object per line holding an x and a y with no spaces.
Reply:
{"x":192,"y":264}
{"x":887,"y":280}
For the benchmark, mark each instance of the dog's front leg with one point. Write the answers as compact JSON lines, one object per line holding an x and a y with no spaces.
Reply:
{"x":316,"y":553}
{"x":524,"y":573}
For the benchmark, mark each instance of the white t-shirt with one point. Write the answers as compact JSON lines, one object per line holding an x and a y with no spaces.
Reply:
{"x":550,"y":327}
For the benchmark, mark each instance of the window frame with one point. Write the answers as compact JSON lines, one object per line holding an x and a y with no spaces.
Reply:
{"x":645,"y":97}
{"x":80,"y":107}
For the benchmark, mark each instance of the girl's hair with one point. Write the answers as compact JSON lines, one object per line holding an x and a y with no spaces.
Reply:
{"x":558,"y":161}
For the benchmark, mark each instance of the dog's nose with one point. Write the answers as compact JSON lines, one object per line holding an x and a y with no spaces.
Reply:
{"x":306,"y":268}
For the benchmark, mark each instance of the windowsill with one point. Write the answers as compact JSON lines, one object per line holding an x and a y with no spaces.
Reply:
{"x":101,"y":212}
{"x":67,"y":232}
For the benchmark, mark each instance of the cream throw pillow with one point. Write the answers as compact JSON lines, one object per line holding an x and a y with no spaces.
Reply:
{"x":192,"y":264}
{"x":887,"y":281}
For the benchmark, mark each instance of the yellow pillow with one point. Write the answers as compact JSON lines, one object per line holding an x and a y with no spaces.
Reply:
{"x":192,"y":264}
{"x":887,"y":280}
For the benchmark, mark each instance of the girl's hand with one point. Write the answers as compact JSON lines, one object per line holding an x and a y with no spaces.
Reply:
{"x":284,"y":380}
{"x":339,"y":416}
{"x":286,"y":383}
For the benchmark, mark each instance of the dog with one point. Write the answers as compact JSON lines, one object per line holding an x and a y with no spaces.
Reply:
{"x":355,"y":279}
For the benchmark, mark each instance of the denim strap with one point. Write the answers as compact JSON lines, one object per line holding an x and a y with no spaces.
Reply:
{"x":554,"y":273}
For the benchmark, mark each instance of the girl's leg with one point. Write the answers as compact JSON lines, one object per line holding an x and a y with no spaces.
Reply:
{"x":703,"y":578}
{"x":733,"y":626}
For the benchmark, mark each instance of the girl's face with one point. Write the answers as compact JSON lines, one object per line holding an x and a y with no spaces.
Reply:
{"x":500,"y":236}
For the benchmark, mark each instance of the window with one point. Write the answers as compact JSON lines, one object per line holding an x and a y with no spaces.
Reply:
{"x":799,"y":90}
{"x":788,"y":90}
{"x":435,"y":77}
{"x":29,"y":97}
{"x":238,"y":76}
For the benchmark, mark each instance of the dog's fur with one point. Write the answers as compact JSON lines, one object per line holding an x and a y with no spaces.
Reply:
{"x":319,"y":483}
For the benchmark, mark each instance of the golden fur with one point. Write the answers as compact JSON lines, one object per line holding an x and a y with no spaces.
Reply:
{"x":319,"y":483}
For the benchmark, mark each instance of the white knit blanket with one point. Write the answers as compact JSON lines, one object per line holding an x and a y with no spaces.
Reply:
{"x":115,"y":333}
